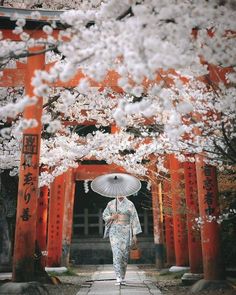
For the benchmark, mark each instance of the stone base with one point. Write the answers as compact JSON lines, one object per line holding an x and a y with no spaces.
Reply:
{"x":163,"y":271}
{"x":23,"y":288}
{"x":59,"y":269}
{"x":178,"y":268}
{"x":190,"y":278}
{"x":210,"y":285}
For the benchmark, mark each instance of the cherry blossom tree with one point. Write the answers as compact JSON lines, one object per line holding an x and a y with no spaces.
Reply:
{"x":165,"y":53}
{"x":142,"y":41}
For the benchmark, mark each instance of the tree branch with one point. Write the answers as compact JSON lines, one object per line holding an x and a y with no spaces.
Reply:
{"x":55,"y":98}
{"x":224,"y":153}
{"x":125,"y":13}
{"x":47,"y":104}
{"x":227,"y":140}
{"x":26,"y":53}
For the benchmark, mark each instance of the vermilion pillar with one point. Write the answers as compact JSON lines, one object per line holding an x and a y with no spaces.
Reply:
{"x":68,"y":216}
{"x":194,"y":237}
{"x":25,"y":233}
{"x":179,"y":213}
{"x":55,"y":222}
{"x":210,"y":231}
{"x":157,"y":221}
{"x":41,"y":225}
{"x":168,"y":220}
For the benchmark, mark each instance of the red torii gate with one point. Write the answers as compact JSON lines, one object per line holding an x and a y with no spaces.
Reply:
{"x":26,"y":223}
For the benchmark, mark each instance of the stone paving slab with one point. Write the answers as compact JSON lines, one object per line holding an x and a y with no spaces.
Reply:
{"x":103,"y":283}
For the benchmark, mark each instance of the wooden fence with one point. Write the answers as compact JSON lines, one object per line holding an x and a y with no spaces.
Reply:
{"x":91,"y":224}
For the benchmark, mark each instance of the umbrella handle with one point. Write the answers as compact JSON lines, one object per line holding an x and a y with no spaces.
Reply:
{"x":116,"y":205}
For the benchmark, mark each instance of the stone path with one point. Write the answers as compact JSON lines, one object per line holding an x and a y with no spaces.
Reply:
{"x":103,"y":283}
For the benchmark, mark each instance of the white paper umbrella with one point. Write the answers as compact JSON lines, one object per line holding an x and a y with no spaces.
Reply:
{"x":115,"y":185}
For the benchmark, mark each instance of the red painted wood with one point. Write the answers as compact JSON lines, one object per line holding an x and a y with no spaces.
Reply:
{"x":194,"y":236}
{"x":41,"y":225}
{"x":25,"y":233}
{"x":55,"y":221}
{"x":68,"y":216}
{"x":36,"y":34}
{"x":210,"y":231}
{"x":84,"y":172}
{"x":168,"y":220}
{"x":14,"y":77}
{"x":179,"y":214}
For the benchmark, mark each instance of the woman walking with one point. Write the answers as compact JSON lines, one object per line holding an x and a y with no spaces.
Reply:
{"x":121,"y":226}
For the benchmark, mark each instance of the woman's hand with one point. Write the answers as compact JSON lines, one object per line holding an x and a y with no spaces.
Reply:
{"x":135,"y":239}
{"x":114,"y":216}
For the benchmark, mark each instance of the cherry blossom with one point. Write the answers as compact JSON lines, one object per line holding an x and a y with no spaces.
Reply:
{"x":143,"y":41}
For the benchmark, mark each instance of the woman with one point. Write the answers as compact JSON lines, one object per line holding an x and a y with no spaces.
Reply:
{"x":121,"y":225}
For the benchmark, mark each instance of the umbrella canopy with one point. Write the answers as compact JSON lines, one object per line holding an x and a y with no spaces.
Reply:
{"x":115,"y":185}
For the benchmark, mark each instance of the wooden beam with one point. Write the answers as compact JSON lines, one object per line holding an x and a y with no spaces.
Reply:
{"x":84,"y":172}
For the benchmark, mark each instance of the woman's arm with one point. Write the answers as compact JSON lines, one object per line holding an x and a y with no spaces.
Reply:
{"x":135,"y":239}
{"x":108,"y":216}
{"x":135,"y":223}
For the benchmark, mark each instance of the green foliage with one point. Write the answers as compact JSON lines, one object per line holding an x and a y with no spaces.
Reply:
{"x":69,"y":272}
{"x":169,"y":275}
{"x":229,"y":242}
{"x":227,"y":199}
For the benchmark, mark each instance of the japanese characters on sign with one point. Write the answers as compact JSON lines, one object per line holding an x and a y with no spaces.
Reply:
{"x":208,"y":186}
{"x":56,"y":223}
{"x":191,"y":184}
{"x":30,"y":148}
{"x":25,"y":214}
{"x":30,"y":144}
{"x":192,"y":200}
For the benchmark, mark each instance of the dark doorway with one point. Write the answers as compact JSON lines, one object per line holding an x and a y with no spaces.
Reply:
{"x":89,"y":206}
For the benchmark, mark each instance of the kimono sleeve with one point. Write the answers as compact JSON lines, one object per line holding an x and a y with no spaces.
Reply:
{"x":135,"y":224}
{"x":106,"y":213}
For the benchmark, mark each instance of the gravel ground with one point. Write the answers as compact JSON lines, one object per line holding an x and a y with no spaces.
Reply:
{"x":170,"y":284}
{"x":70,"y":284}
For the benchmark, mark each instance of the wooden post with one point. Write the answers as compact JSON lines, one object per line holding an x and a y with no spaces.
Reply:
{"x":157,"y":220}
{"x":25,"y":233}
{"x":168,"y":220}
{"x":86,"y":224}
{"x":55,"y":222}
{"x":145,"y":222}
{"x":194,"y":237}
{"x":179,"y":214}
{"x":68,"y":216}
{"x":41,"y":226}
{"x":100,"y":220}
{"x":210,"y":231}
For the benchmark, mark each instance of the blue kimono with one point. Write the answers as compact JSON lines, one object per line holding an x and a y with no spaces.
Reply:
{"x":121,"y":232}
